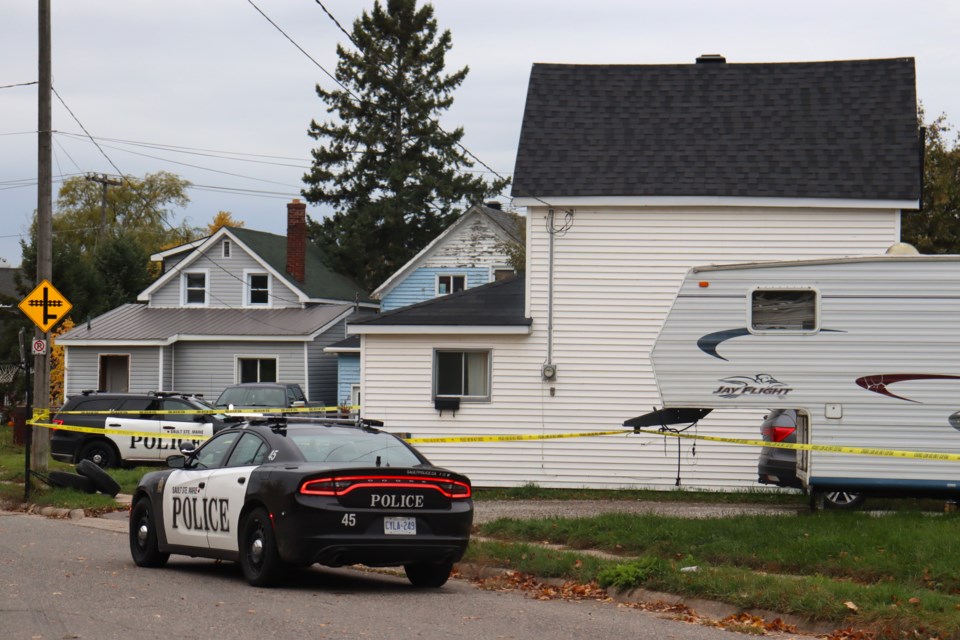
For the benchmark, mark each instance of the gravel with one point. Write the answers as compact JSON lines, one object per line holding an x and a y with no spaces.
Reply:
{"x":488,"y":510}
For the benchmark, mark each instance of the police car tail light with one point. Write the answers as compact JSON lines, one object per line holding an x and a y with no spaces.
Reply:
{"x":341,"y":486}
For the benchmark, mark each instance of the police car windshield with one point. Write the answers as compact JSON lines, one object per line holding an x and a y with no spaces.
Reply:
{"x":354,"y":446}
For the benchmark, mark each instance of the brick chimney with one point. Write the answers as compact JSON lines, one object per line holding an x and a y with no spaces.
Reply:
{"x":296,"y":239}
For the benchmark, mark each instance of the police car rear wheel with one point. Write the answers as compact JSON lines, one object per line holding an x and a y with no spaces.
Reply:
{"x":259,"y":558}
{"x":100,"y":452}
{"x":143,"y":536}
{"x":428,"y":574}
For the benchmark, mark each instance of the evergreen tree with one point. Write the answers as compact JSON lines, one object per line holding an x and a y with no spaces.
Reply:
{"x":393,"y":176}
{"x":935,"y":228}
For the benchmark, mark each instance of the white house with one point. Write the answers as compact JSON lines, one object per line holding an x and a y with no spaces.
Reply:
{"x":631,"y":174}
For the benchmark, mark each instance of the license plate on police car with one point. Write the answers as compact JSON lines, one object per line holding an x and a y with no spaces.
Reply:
{"x":400,"y":526}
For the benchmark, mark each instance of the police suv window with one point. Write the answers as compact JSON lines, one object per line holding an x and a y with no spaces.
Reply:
{"x":791,"y":310}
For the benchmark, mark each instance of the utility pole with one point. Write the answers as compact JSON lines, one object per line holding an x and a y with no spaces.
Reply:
{"x":104,"y":181}
{"x":40,"y":449}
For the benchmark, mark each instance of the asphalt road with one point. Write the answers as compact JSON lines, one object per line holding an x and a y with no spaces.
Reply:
{"x":74,"y":579}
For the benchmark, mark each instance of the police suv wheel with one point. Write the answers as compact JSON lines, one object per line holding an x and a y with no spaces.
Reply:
{"x":143,"y":536}
{"x":428,"y":574}
{"x":259,"y":558}
{"x":99,"y":452}
{"x":102,"y":480}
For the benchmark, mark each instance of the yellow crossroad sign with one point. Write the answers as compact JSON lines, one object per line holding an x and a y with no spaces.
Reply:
{"x":45,"y":306}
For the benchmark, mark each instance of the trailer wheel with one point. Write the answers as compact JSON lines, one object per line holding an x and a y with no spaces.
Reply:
{"x":843,"y":500}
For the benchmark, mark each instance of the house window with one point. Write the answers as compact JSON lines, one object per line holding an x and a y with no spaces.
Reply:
{"x":258,"y":287}
{"x":257,"y":369}
{"x":195,"y":288}
{"x":461,"y":374}
{"x":226,"y":248}
{"x":503,"y":274}
{"x":793,"y":310}
{"x":450,"y":284}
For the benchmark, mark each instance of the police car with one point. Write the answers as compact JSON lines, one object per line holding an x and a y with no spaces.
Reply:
{"x":278,"y":493}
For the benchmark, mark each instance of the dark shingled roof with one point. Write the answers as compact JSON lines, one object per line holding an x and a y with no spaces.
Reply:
{"x":496,"y":304}
{"x":844,"y":129}
{"x":320,"y":281}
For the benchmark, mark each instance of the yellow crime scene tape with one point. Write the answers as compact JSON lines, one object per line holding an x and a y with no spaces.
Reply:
{"x":862,"y":451}
{"x":41,"y":417}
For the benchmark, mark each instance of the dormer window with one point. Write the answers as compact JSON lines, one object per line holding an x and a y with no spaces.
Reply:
{"x":450,"y":283}
{"x":195,"y":288}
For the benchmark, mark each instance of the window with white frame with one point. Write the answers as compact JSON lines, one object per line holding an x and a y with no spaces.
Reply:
{"x":195,"y":288}
{"x":258,"y":289}
{"x":793,"y":310}
{"x":450,"y":283}
{"x":257,"y":369}
{"x":461,"y":374}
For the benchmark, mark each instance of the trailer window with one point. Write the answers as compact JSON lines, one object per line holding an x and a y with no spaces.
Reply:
{"x":783,"y":310}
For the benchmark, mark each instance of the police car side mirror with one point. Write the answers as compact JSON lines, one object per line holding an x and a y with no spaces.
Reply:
{"x":176,"y":462}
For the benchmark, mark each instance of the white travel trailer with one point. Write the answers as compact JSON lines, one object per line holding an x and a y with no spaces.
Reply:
{"x":866,"y":349}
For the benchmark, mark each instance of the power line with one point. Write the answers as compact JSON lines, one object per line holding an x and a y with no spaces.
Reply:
{"x":406,"y":97}
{"x":77,"y":120}
{"x":19,"y":84}
{"x":211,"y":153}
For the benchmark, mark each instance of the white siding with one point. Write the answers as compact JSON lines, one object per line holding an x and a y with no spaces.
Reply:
{"x":616,"y":272}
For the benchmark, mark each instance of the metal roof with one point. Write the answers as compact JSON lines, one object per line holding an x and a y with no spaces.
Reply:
{"x":138,"y":323}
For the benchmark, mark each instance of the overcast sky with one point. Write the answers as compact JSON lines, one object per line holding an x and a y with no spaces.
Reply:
{"x":211,"y":91}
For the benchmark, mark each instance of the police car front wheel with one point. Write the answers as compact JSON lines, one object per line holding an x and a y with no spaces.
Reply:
{"x":143,"y":536}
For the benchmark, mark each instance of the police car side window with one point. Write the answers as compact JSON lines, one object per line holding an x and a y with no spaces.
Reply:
{"x":251,"y":450}
{"x":176,"y":405}
{"x":134,"y":405}
{"x":214,"y":453}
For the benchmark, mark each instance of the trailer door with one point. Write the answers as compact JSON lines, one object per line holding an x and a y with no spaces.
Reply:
{"x":803,"y":456}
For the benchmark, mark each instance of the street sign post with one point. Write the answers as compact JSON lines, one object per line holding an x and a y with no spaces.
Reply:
{"x":45,"y":306}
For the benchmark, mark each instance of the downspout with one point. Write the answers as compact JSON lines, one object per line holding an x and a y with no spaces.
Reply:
{"x":550,"y":233}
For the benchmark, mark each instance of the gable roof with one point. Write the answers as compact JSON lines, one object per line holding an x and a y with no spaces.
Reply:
{"x":497,"y":304}
{"x":838,"y":130}
{"x":320,"y":284}
{"x":140,"y":324}
{"x":506,"y":222}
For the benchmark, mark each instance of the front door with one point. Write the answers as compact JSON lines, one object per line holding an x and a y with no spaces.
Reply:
{"x":115,"y":373}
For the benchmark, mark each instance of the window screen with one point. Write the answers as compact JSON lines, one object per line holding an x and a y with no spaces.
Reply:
{"x":462,"y":374}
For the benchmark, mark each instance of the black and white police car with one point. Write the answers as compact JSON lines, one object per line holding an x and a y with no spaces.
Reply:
{"x":287,"y":492}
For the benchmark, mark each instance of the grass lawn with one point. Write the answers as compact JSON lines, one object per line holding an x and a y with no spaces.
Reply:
{"x":893,"y":573}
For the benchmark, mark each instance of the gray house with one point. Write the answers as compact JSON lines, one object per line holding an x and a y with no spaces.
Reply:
{"x":237,"y":306}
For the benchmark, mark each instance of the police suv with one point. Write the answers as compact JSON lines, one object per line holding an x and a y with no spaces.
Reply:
{"x":285,"y":492}
{"x":144,"y":416}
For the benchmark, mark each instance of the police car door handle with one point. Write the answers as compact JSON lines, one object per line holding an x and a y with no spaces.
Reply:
{"x":113,"y":424}
{"x":168,"y":427}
